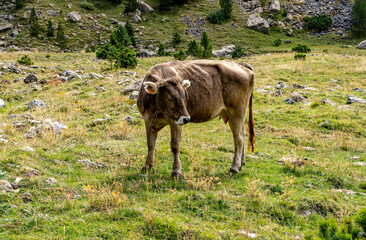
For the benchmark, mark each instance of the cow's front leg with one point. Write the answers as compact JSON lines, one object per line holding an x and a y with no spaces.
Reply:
{"x":237,"y":129}
{"x":176,"y":132}
{"x":151,"y":142}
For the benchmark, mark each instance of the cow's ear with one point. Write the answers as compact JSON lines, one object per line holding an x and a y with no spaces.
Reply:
{"x":150,"y":87}
{"x":186,"y":84}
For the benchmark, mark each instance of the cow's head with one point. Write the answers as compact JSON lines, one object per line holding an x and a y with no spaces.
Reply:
{"x":170,"y":98}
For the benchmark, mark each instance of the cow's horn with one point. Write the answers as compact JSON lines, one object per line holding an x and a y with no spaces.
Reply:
{"x":150,"y":87}
{"x":186,"y":84}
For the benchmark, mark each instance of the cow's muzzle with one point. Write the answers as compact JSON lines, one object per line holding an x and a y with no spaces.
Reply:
{"x":183,"y":120}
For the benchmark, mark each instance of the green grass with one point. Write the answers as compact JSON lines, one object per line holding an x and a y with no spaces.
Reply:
{"x":117,"y":201}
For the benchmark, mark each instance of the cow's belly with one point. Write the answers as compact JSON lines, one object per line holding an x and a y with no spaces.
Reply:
{"x":204,"y":114}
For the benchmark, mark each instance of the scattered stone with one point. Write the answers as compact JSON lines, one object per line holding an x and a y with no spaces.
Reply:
{"x":31,"y":78}
{"x":2,"y":140}
{"x":100,"y":121}
{"x":362,"y":45}
{"x":27,"y":197}
{"x":5,"y":27}
{"x":51,"y":181}
{"x":352,"y":99}
{"x":101,"y":88}
{"x":132,"y":87}
{"x":52,"y":13}
{"x":27,"y":149}
{"x":67,"y":75}
{"x":58,"y":127}
{"x":95,"y":75}
{"x":287,"y":41}
{"x":72,"y":93}
{"x":225,"y":51}
{"x":277,"y":93}
{"x":5,"y":186}
{"x":136,"y":18}
{"x":359,"y":163}
{"x":309,"y":149}
{"x":2,"y":103}
{"x":129,"y":120}
{"x":248,"y":234}
{"x":324,"y":101}
{"x":90,"y":164}
{"x":289,"y":101}
{"x":297,"y":97}
{"x":356,"y":89}
{"x":74,"y":16}
{"x":280,"y":85}
{"x":257,"y":23}
{"x":346,"y":191}
{"x":274,"y":7}
{"x":134,"y":95}
{"x":30,"y":172}
{"x":36,"y":104}
{"x":13,"y":69}
{"x":298,"y":86}
{"x":144,"y":7}
{"x":146,"y":53}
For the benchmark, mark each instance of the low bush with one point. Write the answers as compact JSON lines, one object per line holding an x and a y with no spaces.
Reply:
{"x":131,"y":6}
{"x":318,"y":23}
{"x":238,"y":52}
{"x":25,"y":60}
{"x":301,"y":48}
{"x":177,"y":38}
{"x":162,"y":52}
{"x":277,"y":42}
{"x":87,"y":5}
{"x":181,"y":55}
{"x":300,"y":56}
{"x":216,"y":17}
{"x":194,"y":49}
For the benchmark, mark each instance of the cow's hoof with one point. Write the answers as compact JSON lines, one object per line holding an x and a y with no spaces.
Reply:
{"x":176,"y":175}
{"x":233,"y":171}
{"x":243,"y":165}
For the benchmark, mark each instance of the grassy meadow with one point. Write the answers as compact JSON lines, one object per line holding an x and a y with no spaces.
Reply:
{"x":302,"y":170}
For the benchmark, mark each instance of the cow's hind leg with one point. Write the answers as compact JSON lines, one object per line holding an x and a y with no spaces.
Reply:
{"x":237,"y":128}
{"x":176,"y":132}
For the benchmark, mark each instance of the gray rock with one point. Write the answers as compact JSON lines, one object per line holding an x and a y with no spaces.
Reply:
{"x":30,"y":172}
{"x":2,"y":103}
{"x":31,"y":78}
{"x":36,"y":104}
{"x":5,"y":27}
{"x":67,"y":75}
{"x":90,"y":164}
{"x":27,"y":197}
{"x":101,"y":88}
{"x":51,"y":181}
{"x":136,"y":18}
{"x":52,"y":13}
{"x":362,"y":45}
{"x":129,"y":119}
{"x":225,"y":51}
{"x":74,"y":16}
{"x":2,"y":43}
{"x":132,"y":87}
{"x":101,"y":121}
{"x":146,"y":53}
{"x":144,"y":7}
{"x":297,"y":97}
{"x":280,"y":85}
{"x":324,"y":101}
{"x":257,"y":23}
{"x":95,"y":75}
{"x":5,"y":186}
{"x":274,"y":7}
{"x":298,"y":86}
{"x":287,"y":41}
{"x":352,"y":99}
{"x":13,"y":69}
{"x":27,"y":149}
{"x":134,"y":95}
{"x":289,"y":101}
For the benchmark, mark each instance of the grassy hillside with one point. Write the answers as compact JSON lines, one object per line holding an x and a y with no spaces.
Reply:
{"x":156,"y":28}
{"x":303,"y":169}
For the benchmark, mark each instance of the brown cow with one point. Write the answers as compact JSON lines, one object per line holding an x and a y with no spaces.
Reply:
{"x":178,"y":92}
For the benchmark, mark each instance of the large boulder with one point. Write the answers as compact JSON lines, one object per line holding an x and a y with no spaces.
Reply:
{"x":136,"y":18}
{"x":74,"y":16}
{"x":31,"y":78}
{"x":225,"y":51}
{"x":257,"y":23}
{"x":275,"y":6}
{"x":362,"y":45}
{"x":144,"y":7}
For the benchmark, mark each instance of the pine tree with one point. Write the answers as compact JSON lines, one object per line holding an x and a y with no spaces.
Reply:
{"x":33,"y":23}
{"x":120,"y":38}
{"x":177,"y":38}
{"x":50,"y":29}
{"x":60,"y":37}
{"x":358,"y":18}
{"x":130,"y":33}
{"x":207,"y":47}
{"x":226,"y":7}
{"x":131,"y":5}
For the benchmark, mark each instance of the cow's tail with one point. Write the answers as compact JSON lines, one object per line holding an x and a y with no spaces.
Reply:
{"x":251,"y":139}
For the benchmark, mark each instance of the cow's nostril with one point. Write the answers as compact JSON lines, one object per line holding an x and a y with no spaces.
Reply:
{"x":186,"y":120}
